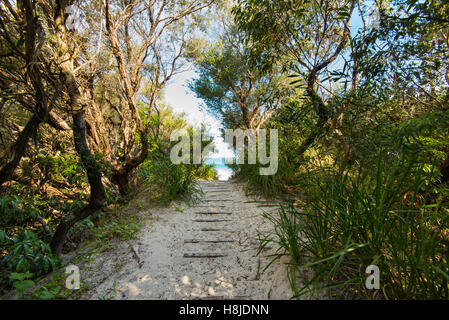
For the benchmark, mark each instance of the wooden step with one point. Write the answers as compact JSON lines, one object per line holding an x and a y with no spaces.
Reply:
{"x":213,"y":212}
{"x":223,"y":298}
{"x":204,"y":255}
{"x":217,"y":188}
{"x":211,"y":220}
{"x":206,"y":241}
{"x":212,"y":196}
{"x":209,"y":205}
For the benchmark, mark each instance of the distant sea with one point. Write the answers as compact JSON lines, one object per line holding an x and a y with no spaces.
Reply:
{"x":223,"y":171}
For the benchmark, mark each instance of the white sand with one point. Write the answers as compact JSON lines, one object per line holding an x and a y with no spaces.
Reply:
{"x":167,"y":274}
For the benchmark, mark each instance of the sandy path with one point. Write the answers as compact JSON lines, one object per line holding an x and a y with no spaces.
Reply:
{"x":208,"y":251}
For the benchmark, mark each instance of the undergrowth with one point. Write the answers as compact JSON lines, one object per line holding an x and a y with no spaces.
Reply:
{"x":355,"y":219}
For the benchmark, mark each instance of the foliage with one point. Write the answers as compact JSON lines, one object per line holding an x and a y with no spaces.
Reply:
{"x":170,"y":180}
{"x":21,"y":281}
{"x":15,"y":210}
{"x":233,"y":91}
{"x":60,"y":167}
{"x":29,"y":253}
{"x":123,"y":231}
{"x":352,"y":221}
{"x":363,"y":147}
{"x":89,"y":129}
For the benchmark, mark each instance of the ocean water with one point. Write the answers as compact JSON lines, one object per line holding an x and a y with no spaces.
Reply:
{"x":223,"y":171}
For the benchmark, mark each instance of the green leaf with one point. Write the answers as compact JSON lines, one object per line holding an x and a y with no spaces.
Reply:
{"x":46,"y":295}
{"x":20,"y":276}
{"x":3,"y":235}
{"x":23,"y":285}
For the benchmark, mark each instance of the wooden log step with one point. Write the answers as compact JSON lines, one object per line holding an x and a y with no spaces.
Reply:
{"x":208,"y":200}
{"x":218,"y":187}
{"x":206,"y":241}
{"x":217,"y":194}
{"x":214,"y":229}
{"x":223,"y":298}
{"x":213,"y":212}
{"x":209,"y":205}
{"x":211,"y":220}
{"x":212,"y":196}
{"x":204,"y":255}
{"x":222,"y":191}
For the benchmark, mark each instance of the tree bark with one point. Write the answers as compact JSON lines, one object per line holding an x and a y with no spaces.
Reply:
{"x":97,"y":192}
{"x":444,"y":168}
{"x":312,"y":136}
{"x":17,"y":150}
{"x":120,"y":175}
{"x":69,"y":81}
{"x":41,"y":106}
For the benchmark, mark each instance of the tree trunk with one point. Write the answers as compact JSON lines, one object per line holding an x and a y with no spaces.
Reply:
{"x":120,"y":175}
{"x":17,"y":150}
{"x":444,"y":169}
{"x":322,"y":120}
{"x":308,"y":141}
{"x":345,"y":145}
{"x":96,"y":128}
{"x":42,"y":109}
{"x":97,"y":192}
{"x":121,"y":179}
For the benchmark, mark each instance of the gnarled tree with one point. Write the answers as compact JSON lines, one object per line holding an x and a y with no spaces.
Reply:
{"x":27,"y":81}
{"x":146,"y":39}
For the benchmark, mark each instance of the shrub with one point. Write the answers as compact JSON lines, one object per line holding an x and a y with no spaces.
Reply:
{"x":354,"y":220}
{"x":168,"y":181}
{"x":28,"y":253}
